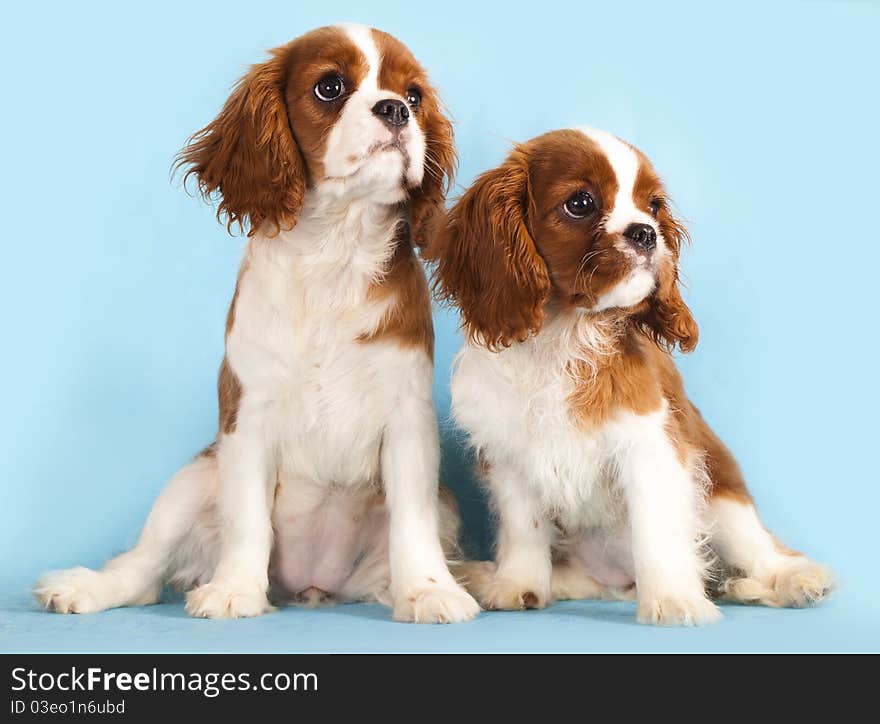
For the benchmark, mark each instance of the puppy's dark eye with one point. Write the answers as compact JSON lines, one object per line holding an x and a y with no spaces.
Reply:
{"x":414,"y":97}
{"x":654,"y":206}
{"x":329,"y":88}
{"x":579,"y":206}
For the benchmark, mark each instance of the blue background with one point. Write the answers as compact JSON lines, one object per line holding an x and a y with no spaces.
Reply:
{"x":761,"y":117}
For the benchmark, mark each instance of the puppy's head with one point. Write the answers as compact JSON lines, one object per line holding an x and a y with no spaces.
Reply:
{"x":344,"y":110}
{"x":573,"y":219}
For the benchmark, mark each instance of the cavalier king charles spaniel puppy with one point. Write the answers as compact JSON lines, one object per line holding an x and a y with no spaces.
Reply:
{"x":322,"y":482}
{"x":606,"y":480}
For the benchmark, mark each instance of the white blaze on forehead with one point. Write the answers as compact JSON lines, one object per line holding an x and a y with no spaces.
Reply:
{"x":362,"y":37}
{"x":625,"y":164}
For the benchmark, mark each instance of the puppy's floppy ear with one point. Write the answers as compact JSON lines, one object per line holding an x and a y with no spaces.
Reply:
{"x":427,"y":201}
{"x":249,"y":156}
{"x":667,"y":318}
{"x":487,"y":263}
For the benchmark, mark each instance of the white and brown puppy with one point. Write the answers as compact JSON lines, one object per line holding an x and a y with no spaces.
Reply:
{"x":605,"y":478}
{"x":322,"y":481}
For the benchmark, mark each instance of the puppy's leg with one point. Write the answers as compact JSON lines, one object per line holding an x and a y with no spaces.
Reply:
{"x":663,"y":501}
{"x":522,"y":577}
{"x":135,"y":578}
{"x":422,"y":588}
{"x":244,"y":502}
{"x":765,"y":572}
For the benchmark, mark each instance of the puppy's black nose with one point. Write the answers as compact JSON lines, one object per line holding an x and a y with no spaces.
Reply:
{"x":392,"y":111}
{"x":641,"y":236}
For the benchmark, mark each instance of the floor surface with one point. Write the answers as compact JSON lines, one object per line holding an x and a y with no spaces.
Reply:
{"x":839,"y":625}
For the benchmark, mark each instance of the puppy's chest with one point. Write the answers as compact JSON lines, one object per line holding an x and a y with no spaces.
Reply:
{"x":320,"y":391}
{"x":522,"y":414}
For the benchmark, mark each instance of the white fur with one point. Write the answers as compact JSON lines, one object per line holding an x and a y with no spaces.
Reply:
{"x":513,"y":404}
{"x":630,"y":291}
{"x":663,"y":506}
{"x":742,"y":541}
{"x":324,"y":422}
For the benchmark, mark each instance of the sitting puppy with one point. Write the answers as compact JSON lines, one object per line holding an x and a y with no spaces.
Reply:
{"x":605,"y":478}
{"x":323,"y":477}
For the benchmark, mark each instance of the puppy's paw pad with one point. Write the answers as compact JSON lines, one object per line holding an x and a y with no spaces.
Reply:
{"x":436,"y":604}
{"x":672,"y":610}
{"x":76,"y":590}
{"x":213,"y":600}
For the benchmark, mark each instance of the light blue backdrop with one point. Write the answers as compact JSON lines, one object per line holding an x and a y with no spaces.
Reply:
{"x":762,"y":118}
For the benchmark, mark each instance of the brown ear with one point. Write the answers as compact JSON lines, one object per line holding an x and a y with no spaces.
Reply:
{"x":427,"y":202}
{"x":248,"y":154}
{"x":668,"y":319}
{"x":487,"y":263}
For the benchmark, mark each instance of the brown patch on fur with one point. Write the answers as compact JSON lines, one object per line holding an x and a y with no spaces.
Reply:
{"x":723,"y":469}
{"x":404,"y":288}
{"x":627,"y":379}
{"x":487,"y":262}
{"x":228,"y":385}
{"x":399,"y":72}
{"x":228,"y":396}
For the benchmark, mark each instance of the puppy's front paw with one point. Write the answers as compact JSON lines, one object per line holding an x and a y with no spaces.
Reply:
{"x":76,"y":590}
{"x":437,"y":603}
{"x":677,"y":610}
{"x":214,"y":600}
{"x":503,"y":594}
